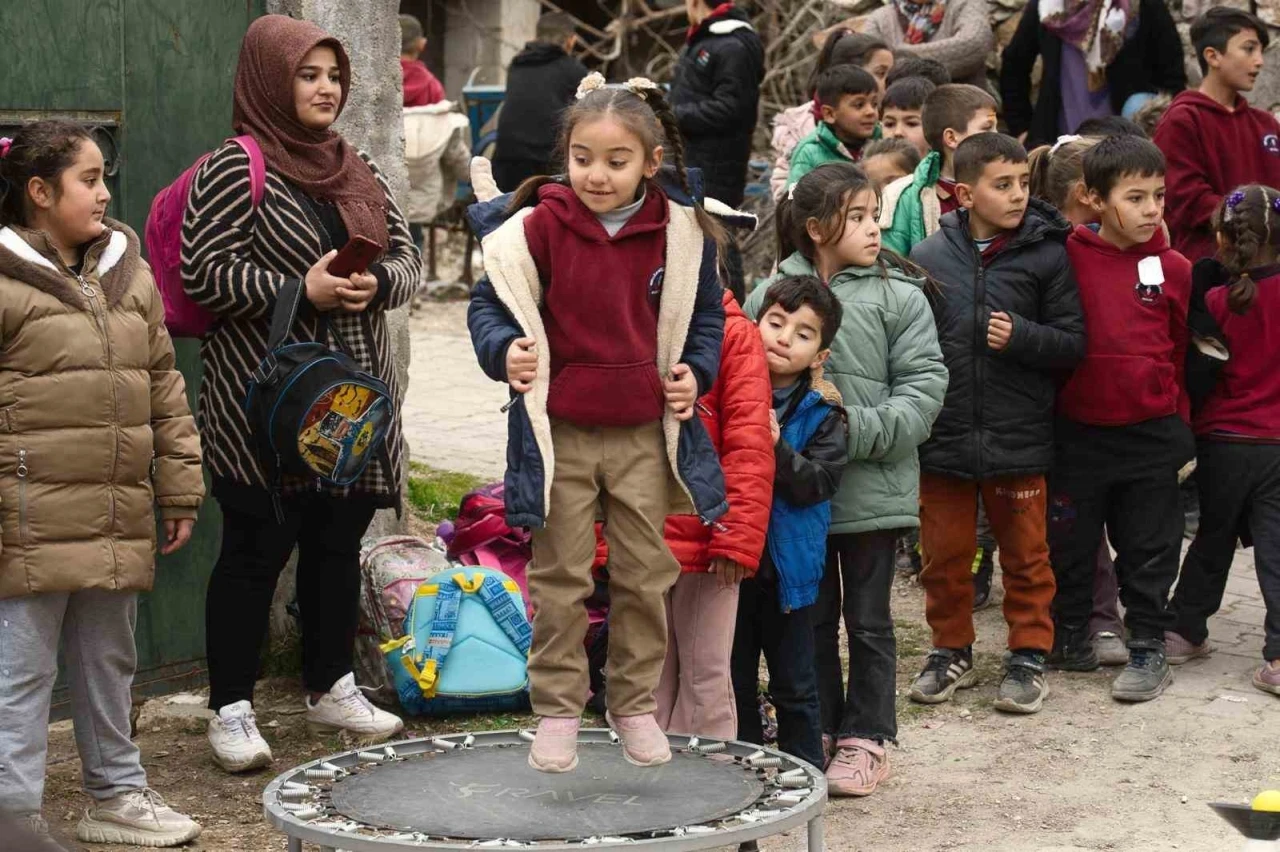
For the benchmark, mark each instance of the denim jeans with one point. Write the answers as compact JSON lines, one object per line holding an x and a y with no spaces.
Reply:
{"x":786,"y":640}
{"x":856,"y":587}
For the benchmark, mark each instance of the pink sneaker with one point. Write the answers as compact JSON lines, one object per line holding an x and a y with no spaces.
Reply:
{"x":858,"y":767}
{"x":643,"y":742}
{"x":1178,"y":650}
{"x":555,"y":745}
{"x":1267,"y":678}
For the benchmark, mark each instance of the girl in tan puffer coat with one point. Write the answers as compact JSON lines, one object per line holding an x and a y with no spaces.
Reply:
{"x":94,"y":433}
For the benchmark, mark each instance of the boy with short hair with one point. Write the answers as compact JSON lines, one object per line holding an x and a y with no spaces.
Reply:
{"x":798,"y":320}
{"x":887,"y":160}
{"x":420,"y":86}
{"x":912,"y":208}
{"x":850,"y":104}
{"x":910,"y":65}
{"x":1213,"y":141}
{"x":1121,"y":432}
{"x":900,"y":113}
{"x":1009,"y":321}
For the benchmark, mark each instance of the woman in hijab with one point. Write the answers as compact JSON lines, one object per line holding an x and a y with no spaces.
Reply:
{"x":1101,"y":58}
{"x":956,"y":33}
{"x":292,"y":82}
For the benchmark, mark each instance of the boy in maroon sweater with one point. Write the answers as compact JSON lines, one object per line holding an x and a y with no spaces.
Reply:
{"x":1213,"y":140}
{"x":1122,"y":433}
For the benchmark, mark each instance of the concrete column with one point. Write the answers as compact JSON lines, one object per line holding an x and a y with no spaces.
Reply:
{"x":485,"y":35}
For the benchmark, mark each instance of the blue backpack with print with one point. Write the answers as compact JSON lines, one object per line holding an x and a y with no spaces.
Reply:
{"x":465,"y":647}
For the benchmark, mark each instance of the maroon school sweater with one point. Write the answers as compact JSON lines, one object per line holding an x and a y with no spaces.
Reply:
{"x":600,"y":298}
{"x":1246,"y":399}
{"x":1211,"y":150}
{"x":1136,"y":335}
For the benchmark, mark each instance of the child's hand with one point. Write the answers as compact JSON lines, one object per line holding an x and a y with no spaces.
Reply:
{"x":731,"y":573}
{"x":681,"y":391}
{"x":522,"y":364}
{"x":774,"y":429}
{"x":177,"y":533}
{"x":999,"y":330}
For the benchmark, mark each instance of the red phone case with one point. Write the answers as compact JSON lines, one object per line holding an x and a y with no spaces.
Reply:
{"x":354,"y":257}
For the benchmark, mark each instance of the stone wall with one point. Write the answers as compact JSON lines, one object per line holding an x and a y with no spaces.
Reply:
{"x":483,"y":36}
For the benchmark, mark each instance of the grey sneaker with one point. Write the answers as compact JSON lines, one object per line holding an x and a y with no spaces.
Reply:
{"x":1024,"y":688}
{"x":1111,"y":649}
{"x":1147,"y":674}
{"x":945,"y":671}
{"x":137,"y":818}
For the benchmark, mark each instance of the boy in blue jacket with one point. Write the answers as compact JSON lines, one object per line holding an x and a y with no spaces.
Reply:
{"x":798,"y":321}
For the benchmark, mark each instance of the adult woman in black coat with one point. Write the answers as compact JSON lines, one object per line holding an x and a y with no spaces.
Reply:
{"x":1097,"y":54}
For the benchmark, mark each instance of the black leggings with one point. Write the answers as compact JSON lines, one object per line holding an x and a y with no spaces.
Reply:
{"x":255,"y":548}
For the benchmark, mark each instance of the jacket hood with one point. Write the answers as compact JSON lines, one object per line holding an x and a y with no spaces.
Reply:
{"x":29,"y":256}
{"x":723,"y":22}
{"x":1042,"y":221}
{"x":485,"y":217}
{"x":1193,"y":100}
{"x":798,"y":264}
{"x":564,"y":204}
{"x":538,"y":53}
{"x":1158,"y":244}
{"x":731,"y":307}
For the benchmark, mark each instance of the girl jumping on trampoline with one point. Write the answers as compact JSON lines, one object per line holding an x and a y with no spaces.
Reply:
{"x":602,"y":309}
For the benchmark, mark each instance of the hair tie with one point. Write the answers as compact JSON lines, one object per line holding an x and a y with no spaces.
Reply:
{"x":791,"y":192}
{"x":640,"y":87}
{"x":1063,"y":140}
{"x":5,"y":144}
{"x":589,"y":84}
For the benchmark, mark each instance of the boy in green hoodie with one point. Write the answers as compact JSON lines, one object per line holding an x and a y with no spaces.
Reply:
{"x":850,"y":99}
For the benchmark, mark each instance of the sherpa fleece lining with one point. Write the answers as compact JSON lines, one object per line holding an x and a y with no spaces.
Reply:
{"x":514,"y":277}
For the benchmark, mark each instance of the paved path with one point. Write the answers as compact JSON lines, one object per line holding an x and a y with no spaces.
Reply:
{"x":1086,"y":773}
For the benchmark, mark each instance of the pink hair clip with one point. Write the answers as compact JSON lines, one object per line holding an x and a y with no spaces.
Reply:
{"x":5,"y":144}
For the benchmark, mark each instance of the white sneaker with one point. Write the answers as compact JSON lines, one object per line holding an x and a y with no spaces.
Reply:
{"x":137,"y":818}
{"x":237,"y":744}
{"x":345,"y":708}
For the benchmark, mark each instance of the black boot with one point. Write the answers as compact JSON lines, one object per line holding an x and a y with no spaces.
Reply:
{"x":982,"y":579}
{"x":1072,"y":649}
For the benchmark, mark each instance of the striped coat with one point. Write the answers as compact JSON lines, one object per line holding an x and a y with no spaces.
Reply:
{"x":234,"y":261}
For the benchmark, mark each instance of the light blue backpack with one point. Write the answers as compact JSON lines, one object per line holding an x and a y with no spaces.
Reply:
{"x":465,"y":647}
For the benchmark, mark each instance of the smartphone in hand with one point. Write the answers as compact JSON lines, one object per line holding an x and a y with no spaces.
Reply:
{"x":354,"y":257}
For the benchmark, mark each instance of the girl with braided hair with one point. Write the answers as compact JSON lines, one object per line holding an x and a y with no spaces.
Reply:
{"x":602,"y":309}
{"x":1238,"y":433}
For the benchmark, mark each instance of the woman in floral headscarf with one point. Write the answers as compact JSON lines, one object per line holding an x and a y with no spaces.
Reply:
{"x":956,"y":33}
{"x":1099,"y":55}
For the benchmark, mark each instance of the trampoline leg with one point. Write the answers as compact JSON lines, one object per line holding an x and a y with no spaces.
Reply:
{"x":815,"y":835}
{"x":295,"y":844}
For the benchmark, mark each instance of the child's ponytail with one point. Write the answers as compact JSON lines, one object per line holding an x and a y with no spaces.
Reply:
{"x":674,"y":147}
{"x":1056,"y":168}
{"x":1248,"y":224}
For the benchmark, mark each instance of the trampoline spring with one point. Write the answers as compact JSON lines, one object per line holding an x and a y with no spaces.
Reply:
{"x":322,"y":774}
{"x":792,"y":773}
{"x":333,"y":768}
{"x":793,"y":781}
{"x":790,"y":799}
{"x":765,"y":762}
{"x":443,"y":743}
{"x":469,"y":741}
{"x":614,"y":739}
{"x":527,"y":736}
{"x":294,"y":807}
{"x":692,"y":745}
{"x":307,"y":813}
{"x":693,"y":829}
{"x":296,"y":794}
{"x":390,"y":753}
{"x":294,"y":785}
{"x":372,"y":757}
{"x":753,"y":757}
{"x":711,"y":748}
{"x":597,"y":841}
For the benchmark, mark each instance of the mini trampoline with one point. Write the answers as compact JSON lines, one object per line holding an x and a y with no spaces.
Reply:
{"x":466,"y":791}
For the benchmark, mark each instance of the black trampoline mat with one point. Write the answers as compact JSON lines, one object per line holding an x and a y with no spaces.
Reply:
{"x":492,"y":792}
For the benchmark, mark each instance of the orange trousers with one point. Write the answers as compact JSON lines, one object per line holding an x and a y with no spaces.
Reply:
{"x":948,"y":544}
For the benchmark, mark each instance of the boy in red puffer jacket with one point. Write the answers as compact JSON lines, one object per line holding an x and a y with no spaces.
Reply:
{"x":1122,"y":431}
{"x":695,"y":694}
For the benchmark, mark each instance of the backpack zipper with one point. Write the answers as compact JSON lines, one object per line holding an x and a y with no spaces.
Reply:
{"x":22,"y":496}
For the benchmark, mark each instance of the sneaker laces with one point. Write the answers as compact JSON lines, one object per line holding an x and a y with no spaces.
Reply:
{"x":355,"y":702}
{"x":1021,"y":674}
{"x":146,"y":799}
{"x":244,"y":726}
{"x":939,"y":661}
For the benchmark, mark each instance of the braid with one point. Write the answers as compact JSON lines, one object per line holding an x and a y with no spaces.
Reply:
{"x":666,"y":116}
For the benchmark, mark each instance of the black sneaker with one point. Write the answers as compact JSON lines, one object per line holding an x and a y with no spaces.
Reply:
{"x":982,"y":579}
{"x":1072,"y":649}
{"x":945,"y":671}
{"x":1024,"y":688}
{"x":1146,"y":676}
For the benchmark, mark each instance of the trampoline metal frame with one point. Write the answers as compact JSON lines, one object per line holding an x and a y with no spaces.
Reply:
{"x":808,"y":812}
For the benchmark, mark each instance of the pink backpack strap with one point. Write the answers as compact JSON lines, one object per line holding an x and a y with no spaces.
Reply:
{"x":257,"y":167}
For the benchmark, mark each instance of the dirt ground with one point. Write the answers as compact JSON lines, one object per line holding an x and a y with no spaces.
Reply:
{"x":1085,"y":774}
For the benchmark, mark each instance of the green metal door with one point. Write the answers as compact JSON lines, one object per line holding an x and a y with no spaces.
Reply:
{"x":153,"y":79}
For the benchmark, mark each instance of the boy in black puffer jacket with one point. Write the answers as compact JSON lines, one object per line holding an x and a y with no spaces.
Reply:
{"x":1009,"y":319}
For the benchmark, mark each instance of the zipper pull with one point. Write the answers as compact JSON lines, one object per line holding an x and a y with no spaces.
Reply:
{"x":85,"y":287}
{"x":153,"y":464}
{"x":22,"y":464}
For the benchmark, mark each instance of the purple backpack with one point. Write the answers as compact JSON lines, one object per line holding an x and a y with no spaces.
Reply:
{"x":163,"y":235}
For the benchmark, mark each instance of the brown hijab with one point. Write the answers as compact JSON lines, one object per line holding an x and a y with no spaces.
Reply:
{"x":320,"y":162}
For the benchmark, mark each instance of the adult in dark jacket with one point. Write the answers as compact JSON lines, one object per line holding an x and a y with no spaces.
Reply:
{"x":1005,"y":398}
{"x":1095,"y":60}
{"x":541,"y":82}
{"x":716,"y":95}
